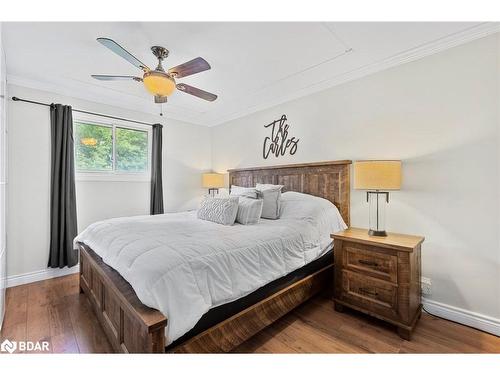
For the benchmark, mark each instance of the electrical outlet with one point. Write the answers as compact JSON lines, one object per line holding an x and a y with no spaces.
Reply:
{"x":426,"y":285}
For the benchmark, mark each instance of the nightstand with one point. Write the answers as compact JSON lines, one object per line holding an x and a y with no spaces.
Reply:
{"x":379,"y":276}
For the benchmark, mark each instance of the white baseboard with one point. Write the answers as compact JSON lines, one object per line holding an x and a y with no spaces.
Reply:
{"x":468,"y":318}
{"x":48,"y":273}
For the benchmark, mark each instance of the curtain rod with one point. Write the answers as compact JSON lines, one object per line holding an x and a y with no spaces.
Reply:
{"x":16,"y":99}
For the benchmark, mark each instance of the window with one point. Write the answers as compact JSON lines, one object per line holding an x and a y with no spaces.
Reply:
{"x":131,"y":150}
{"x":111,"y":151}
{"x":93,"y":147}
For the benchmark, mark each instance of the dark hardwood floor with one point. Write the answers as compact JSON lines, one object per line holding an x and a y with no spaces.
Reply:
{"x":54,"y":311}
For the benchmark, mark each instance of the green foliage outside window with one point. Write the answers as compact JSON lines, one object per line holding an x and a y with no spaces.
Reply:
{"x":131,"y":150}
{"x":94,"y":148}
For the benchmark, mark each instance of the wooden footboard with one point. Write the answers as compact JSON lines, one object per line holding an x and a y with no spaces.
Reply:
{"x":130,"y":326}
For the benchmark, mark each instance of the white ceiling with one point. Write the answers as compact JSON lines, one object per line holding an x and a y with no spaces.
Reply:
{"x":254,"y":65}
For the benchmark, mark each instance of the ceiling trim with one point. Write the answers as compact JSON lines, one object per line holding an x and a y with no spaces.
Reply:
{"x":436,"y":46}
{"x":131,"y":102}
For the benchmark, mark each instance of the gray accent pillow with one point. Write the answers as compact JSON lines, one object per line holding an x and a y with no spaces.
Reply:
{"x":219,"y":210}
{"x":243,"y":191}
{"x":249,"y":210}
{"x":271,"y":195}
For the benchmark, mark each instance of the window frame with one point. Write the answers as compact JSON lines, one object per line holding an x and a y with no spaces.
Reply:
{"x":113,"y":175}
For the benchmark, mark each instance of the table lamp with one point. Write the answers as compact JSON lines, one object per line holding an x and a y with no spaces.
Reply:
{"x":213,"y":181}
{"x":377,"y":177}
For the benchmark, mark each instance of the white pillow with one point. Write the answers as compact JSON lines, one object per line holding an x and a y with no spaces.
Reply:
{"x":319,"y":212}
{"x":243,"y":191}
{"x":249,"y":210}
{"x":308,"y":207}
{"x":268,"y":187}
{"x":219,"y":210}
{"x":271,"y":195}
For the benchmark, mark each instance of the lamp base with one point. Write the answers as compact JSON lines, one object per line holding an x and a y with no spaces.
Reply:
{"x":377,"y":212}
{"x":213,"y":191}
{"x":378,"y":233}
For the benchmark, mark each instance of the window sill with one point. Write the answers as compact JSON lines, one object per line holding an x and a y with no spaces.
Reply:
{"x":113,"y":177}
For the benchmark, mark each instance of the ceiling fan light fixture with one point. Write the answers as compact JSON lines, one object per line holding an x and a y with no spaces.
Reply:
{"x":158,"y":83}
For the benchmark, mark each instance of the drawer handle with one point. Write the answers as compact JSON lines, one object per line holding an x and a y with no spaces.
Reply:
{"x":368,"y":291}
{"x":368,"y":263}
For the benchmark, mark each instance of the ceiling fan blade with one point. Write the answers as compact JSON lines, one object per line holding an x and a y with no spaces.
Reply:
{"x":160,"y":99}
{"x":191,"y":67}
{"x":196,"y":92}
{"x":102,"y":77}
{"x":122,"y":52}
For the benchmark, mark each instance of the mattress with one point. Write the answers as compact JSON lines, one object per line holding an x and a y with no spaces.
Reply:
{"x":184,"y":266}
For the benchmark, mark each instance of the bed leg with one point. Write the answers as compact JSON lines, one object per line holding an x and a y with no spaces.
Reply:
{"x":158,"y":341}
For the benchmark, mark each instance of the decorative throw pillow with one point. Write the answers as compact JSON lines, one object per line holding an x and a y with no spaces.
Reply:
{"x":271,"y":195}
{"x":249,"y":210}
{"x":219,"y":210}
{"x":243,"y":191}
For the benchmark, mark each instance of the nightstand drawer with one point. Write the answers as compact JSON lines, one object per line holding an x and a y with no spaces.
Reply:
{"x":376,"y":295}
{"x":379,"y":264}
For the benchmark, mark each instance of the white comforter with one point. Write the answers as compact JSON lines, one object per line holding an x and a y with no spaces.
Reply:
{"x":184,"y":266}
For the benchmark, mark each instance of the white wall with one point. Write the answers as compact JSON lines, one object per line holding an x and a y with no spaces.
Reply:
{"x":3,"y":177}
{"x":440,"y":116}
{"x":186,"y":154}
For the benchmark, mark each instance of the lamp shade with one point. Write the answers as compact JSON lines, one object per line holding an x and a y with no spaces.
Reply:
{"x":213,"y":180}
{"x":158,"y":83}
{"x":377,"y":175}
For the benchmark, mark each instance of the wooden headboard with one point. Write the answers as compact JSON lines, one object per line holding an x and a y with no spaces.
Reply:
{"x":329,"y":180}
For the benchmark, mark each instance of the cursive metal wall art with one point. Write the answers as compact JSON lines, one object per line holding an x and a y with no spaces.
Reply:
{"x":278,"y":143}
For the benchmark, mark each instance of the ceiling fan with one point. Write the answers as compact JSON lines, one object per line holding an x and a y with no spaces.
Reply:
{"x":159,"y":82}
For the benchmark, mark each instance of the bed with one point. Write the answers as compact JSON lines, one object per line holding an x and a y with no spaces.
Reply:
{"x":220,"y":324}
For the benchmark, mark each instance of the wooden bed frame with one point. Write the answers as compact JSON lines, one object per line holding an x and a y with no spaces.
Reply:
{"x":132,"y":327}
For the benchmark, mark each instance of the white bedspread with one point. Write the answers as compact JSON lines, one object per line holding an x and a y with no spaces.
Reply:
{"x":184,"y":266}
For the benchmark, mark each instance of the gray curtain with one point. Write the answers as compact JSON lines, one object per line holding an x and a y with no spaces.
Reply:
{"x":156,"y":205}
{"x":63,"y":227}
